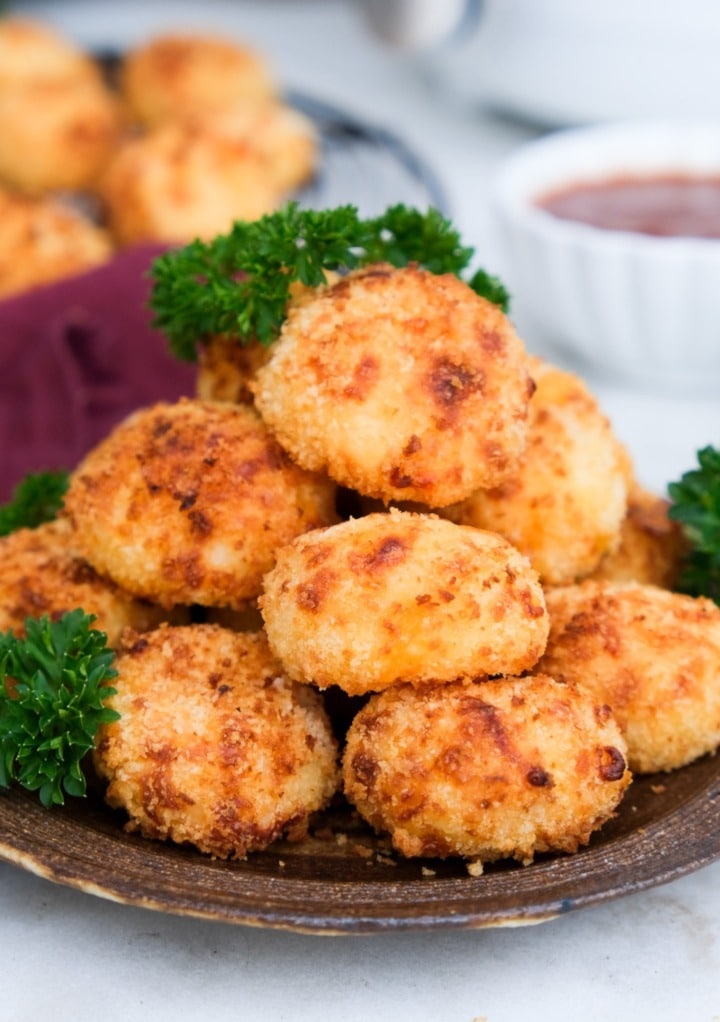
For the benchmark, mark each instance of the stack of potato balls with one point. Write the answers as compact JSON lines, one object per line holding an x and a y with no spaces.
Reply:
{"x":401,"y":504}
{"x":189,"y":135}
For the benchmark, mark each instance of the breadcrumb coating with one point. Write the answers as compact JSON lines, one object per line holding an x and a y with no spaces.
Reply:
{"x":42,"y":240}
{"x":401,"y":384}
{"x":40,"y":573}
{"x":57,"y":134}
{"x":653,"y":655}
{"x":652,"y":546}
{"x":190,"y":502}
{"x":33,"y":51}
{"x":175,"y":75}
{"x":400,"y":597}
{"x":214,"y":745}
{"x":184,"y":181}
{"x":564,"y":505}
{"x":485,"y":769}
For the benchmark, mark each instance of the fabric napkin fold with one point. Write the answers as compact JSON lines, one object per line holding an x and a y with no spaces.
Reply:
{"x":76,"y":357}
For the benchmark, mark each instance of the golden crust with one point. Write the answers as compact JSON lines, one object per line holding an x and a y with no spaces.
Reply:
{"x":40,"y":573}
{"x":564,"y":506}
{"x":189,"y":503}
{"x":57,"y":134}
{"x":652,"y":546}
{"x":41,"y":241}
{"x":487,"y":770}
{"x":176,"y":75}
{"x":33,"y":51}
{"x":225,"y":369}
{"x":654,"y":656}
{"x":401,"y":384}
{"x":183,"y":181}
{"x":214,"y":746}
{"x":399,"y":597}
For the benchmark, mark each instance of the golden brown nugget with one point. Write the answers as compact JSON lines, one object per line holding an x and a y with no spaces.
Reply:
{"x":33,"y":51}
{"x":652,"y":546}
{"x":185,"y":181}
{"x":486,"y":769}
{"x":401,"y":597}
{"x":654,"y":656}
{"x":42,"y":240}
{"x":175,"y":75}
{"x":401,"y":384}
{"x":564,"y":506}
{"x":40,"y":573}
{"x":190,"y":502}
{"x":214,"y":745}
{"x":57,"y":135}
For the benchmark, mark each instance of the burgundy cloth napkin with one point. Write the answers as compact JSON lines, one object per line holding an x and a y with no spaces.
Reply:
{"x":75,"y":358}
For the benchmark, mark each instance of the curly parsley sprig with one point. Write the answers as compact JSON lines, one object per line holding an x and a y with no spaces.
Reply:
{"x":36,"y":499}
{"x":696,"y":505}
{"x":53,"y":687}
{"x":238,"y":284}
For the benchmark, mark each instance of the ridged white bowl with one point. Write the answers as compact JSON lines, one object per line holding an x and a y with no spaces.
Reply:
{"x":644,"y":308}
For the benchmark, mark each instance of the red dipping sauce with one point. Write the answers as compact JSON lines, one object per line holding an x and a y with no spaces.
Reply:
{"x":667,"y":205}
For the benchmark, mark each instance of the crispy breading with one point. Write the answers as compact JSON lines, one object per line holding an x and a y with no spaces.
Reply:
{"x":214,"y":745}
{"x":184,"y":181}
{"x":400,"y":597}
{"x":486,"y":769}
{"x":401,"y":384}
{"x":41,"y":573}
{"x":653,"y":655}
{"x":190,"y":502}
{"x":564,"y":506}
{"x":652,"y":546}
{"x":57,"y":134}
{"x":175,"y":75}
{"x":33,"y":51}
{"x":42,"y":240}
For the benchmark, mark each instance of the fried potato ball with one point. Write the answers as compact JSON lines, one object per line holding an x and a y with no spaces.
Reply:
{"x":400,"y":597}
{"x":654,"y":656}
{"x":42,"y":240}
{"x":190,"y":502}
{"x":176,"y":75}
{"x":33,"y":51}
{"x":485,"y":769}
{"x":57,"y":134}
{"x":184,"y":181}
{"x":401,"y":384}
{"x":652,"y":546}
{"x":40,"y":573}
{"x":564,"y":506}
{"x":214,"y":746}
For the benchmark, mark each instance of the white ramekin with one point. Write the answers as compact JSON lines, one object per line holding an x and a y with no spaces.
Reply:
{"x":644,"y":308}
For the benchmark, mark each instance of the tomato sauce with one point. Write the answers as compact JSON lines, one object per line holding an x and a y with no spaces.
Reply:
{"x":667,"y":205}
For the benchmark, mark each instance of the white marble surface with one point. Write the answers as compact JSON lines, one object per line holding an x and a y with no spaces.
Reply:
{"x":656,"y":955}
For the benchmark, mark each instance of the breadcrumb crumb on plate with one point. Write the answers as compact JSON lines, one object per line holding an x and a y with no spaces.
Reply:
{"x":486,"y":769}
{"x":214,"y":746}
{"x":401,"y":597}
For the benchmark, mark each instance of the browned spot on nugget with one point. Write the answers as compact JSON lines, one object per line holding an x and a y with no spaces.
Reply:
{"x":450,"y":383}
{"x":400,"y":478}
{"x":612,"y":763}
{"x":365,"y":767}
{"x":413,"y":445}
{"x":364,"y":377}
{"x":312,"y":594}
{"x":391,"y":551}
{"x":540,"y":778}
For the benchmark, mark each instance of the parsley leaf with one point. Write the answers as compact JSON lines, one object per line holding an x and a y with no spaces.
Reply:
{"x":36,"y":499}
{"x":53,"y":684}
{"x":696,"y":505}
{"x":238,"y":284}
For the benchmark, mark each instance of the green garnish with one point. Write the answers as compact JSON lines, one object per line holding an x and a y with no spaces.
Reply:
{"x":238,"y":285}
{"x":696,"y":505}
{"x":36,"y":499}
{"x":53,"y":684}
